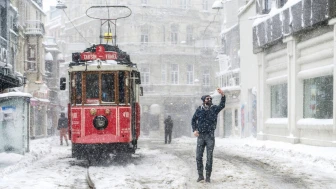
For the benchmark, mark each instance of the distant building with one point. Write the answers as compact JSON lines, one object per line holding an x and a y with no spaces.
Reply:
{"x":31,"y":62}
{"x":172,"y":42}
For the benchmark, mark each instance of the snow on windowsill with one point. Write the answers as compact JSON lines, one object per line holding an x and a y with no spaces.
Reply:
{"x":276,"y":122}
{"x":316,"y":124}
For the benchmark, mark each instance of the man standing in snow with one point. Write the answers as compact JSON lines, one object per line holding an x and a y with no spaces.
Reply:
{"x":63,"y":128}
{"x":204,"y":124}
{"x":168,"y":129}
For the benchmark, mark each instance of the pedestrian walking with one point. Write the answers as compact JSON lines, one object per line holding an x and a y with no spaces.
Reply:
{"x":168,"y":129}
{"x":204,"y":124}
{"x":63,"y":128}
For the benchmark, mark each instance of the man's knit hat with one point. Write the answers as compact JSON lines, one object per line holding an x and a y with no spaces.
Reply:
{"x":204,"y":96}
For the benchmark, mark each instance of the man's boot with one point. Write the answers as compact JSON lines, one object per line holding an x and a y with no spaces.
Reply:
{"x":207,"y":176}
{"x":200,"y":177}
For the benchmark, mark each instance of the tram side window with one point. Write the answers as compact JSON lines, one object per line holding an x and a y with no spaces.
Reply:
{"x":78,"y":87}
{"x":108,"y":92}
{"x":92,"y":88}
{"x":121,"y":87}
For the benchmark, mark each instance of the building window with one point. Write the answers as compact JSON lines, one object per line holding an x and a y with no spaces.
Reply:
{"x":144,"y":34}
{"x":281,"y":3}
{"x":30,"y":65}
{"x":164,"y":33}
{"x":318,"y":98}
{"x":169,"y":3}
{"x":3,"y":25}
{"x":264,"y":6}
{"x":32,"y":52}
{"x":206,"y":78}
{"x":163,"y":74}
{"x":279,"y":101}
{"x":190,"y":74}
{"x":205,"y":5}
{"x":174,"y":34}
{"x":189,"y":35}
{"x":144,"y":38}
{"x":145,"y":73}
{"x":236,"y":78}
{"x":183,"y":4}
{"x":174,"y":74}
{"x":236,"y":117}
{"x":144,"y":2}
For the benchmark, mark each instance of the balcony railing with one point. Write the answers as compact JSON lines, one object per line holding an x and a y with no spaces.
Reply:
{"x":34,"y":27}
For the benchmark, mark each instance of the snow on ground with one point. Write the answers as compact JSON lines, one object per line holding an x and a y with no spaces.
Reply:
{"x":10,"y":162}
{"x":157,"y":165}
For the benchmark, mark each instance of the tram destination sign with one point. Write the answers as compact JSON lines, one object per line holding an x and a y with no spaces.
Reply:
{"x":107,"y":55}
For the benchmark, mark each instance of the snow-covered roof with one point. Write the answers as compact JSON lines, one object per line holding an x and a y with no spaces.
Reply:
{"x":229,"y":29}
{"x":52,"y":49}
{"x":40,"y":99}
{"x":60,"y":56}
{"x":242,"y":9}
{"x":15,"y":94}
{"x":275,"y":11}
{"x":49,"y":57}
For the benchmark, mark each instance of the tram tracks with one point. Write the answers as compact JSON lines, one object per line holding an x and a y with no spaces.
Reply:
{"x":89,"y":180}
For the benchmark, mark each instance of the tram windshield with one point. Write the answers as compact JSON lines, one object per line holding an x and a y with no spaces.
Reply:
{"x":108,"y":91}
{"x":99,"y":88}
{"x":92,"y":88}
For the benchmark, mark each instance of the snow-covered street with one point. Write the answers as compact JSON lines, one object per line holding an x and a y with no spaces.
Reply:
{"x":238,"y":163}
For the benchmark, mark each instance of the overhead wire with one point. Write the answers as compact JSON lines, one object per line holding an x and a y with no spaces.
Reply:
{"x":76,"y":27}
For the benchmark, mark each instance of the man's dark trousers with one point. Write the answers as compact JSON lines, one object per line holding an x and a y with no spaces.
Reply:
{"x":205,"y":140}
{"x":168,"y":135}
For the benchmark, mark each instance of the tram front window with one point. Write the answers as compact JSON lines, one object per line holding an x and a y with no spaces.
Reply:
{"x":108,"y":93}
{"x":92,"y":88}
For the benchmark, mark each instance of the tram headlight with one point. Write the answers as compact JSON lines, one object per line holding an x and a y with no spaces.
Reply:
{"x":100,"y":122}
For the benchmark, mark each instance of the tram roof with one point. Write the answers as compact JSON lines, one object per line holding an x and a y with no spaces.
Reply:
{"x":103,"y":66}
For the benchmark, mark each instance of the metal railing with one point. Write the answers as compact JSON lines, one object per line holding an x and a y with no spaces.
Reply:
{"x":34,"y":27}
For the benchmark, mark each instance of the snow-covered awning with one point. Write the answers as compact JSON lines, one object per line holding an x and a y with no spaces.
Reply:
{"x":48,"y":57}
{"x":52,"y":49}
{"x":15,"y":94}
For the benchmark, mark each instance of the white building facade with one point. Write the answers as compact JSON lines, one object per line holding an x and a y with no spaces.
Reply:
{"x":295,"y":45}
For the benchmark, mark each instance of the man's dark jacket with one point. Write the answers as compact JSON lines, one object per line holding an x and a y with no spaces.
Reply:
{"x":62,"y":123}
{"x":205,"y":121}
{"x":168,"y":125}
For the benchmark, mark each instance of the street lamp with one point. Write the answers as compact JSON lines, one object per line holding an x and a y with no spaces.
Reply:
{"x":61,"y":5}
{"x":218,"y":4}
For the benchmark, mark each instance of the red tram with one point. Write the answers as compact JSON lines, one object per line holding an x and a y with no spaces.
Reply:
{"x":104,"y":111}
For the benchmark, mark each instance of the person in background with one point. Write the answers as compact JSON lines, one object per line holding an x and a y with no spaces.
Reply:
{"x":168,"y":129}
{"x":63,"y":128}
{"x":204,"y":124}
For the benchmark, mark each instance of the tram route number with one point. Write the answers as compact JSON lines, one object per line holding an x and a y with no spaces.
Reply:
{"x":109,"y":55}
